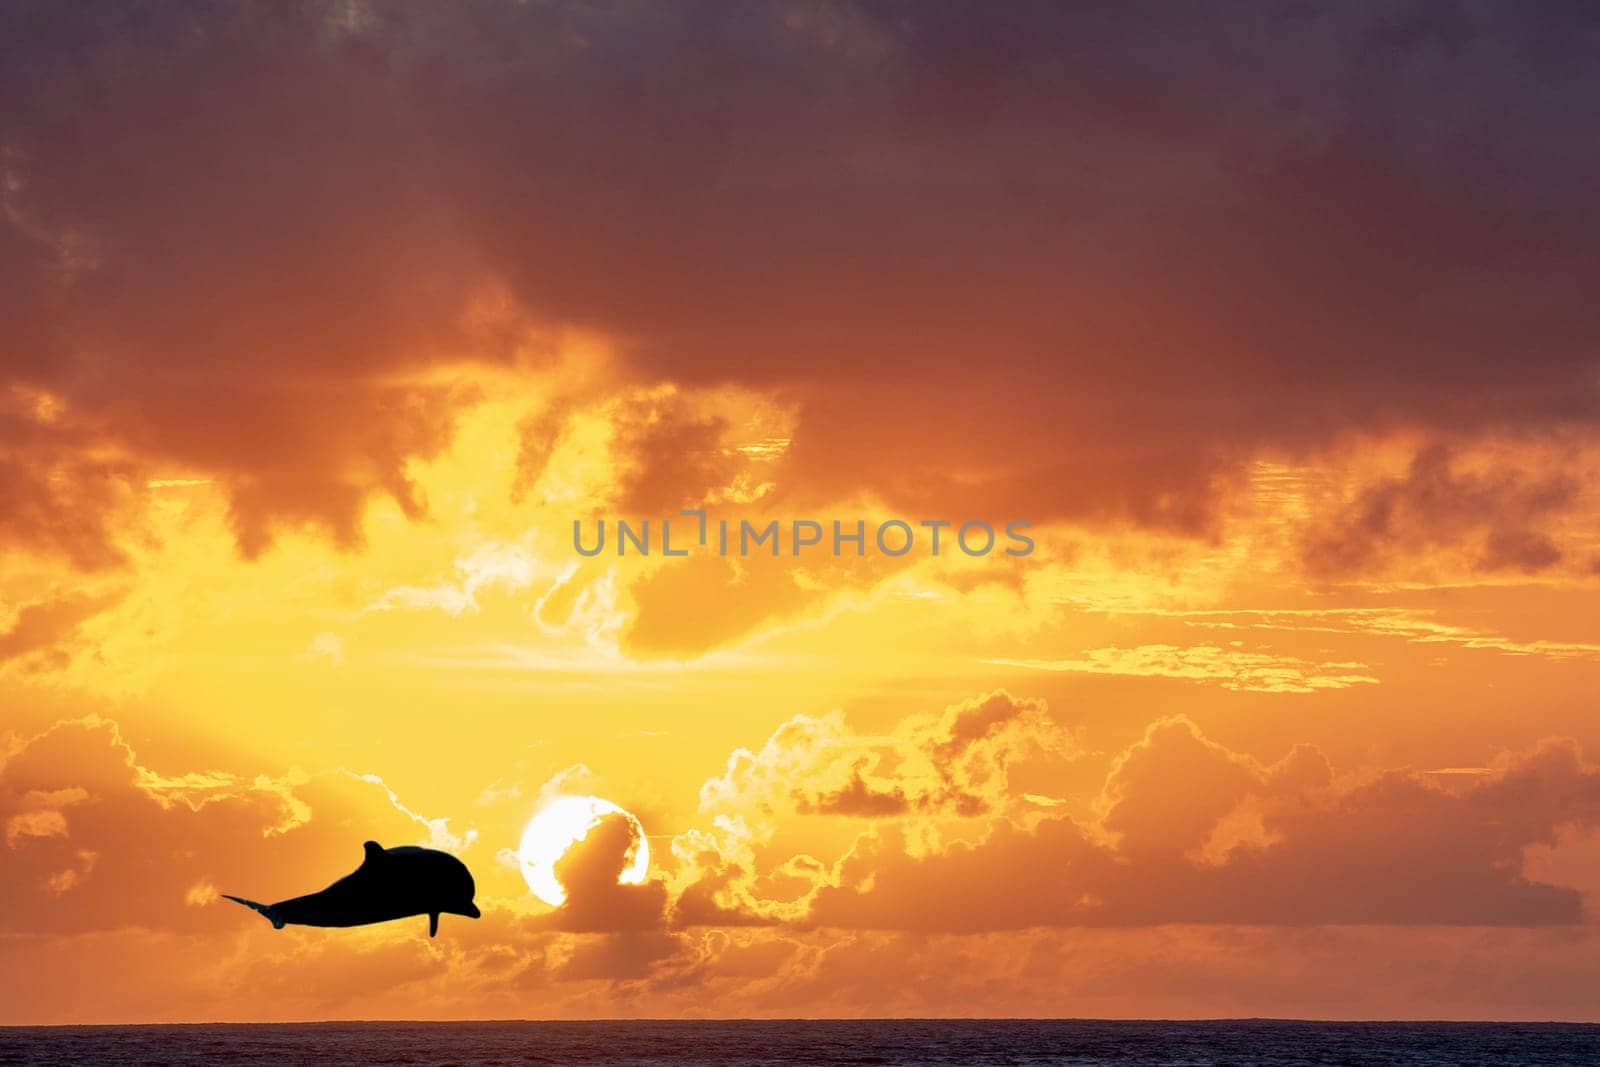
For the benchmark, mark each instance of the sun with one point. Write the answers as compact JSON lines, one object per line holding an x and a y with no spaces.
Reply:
{"x":559,"y":825}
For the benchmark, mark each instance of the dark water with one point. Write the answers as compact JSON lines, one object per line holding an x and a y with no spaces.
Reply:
{"x":881,"y":1042}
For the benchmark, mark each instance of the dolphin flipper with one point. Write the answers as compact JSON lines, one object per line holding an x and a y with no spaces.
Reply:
{"x":433,"y":924}
{"x":265,"y":909}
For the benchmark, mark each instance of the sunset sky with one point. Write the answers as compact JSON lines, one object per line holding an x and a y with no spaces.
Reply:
{"x":321,"y":323}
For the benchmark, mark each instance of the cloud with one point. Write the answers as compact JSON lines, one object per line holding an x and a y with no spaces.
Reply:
{"x":1190,"y":832}
{"x":671,"y":450}
{"x":96,"y":840}
{"x":42,"y":632}
{"x":596,"y":900}
{"x":52,"y":467}
{"x":1233,"y":667}
{"x":492,"y":566}
{"x":980,"y":253}
{"x":440,"y":836}
{"x":1189,"y":851}
{"x":955,"y":762}
{"x":1169,"y":971}
{"x":238,"y":317}
{"x":1504,"y":517}
{"x":1417,"y":625}
{"x":856,"y":797}
{"x":1183,"y":830}
{"x":719,"y":897}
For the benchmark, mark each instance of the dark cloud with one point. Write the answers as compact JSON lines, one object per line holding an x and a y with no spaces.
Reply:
{"x":856,"y":797}
{"x":1501,"y":516}
{"x":1061,"y":259}
{"x":596,"y":902}
{"x":228,"y":265}
{"x":64,"y":490}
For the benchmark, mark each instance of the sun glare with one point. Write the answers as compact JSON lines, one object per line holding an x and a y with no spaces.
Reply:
{"x":559,"y":825}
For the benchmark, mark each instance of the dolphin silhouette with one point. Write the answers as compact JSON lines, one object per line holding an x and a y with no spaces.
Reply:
{"x":391,"y":883}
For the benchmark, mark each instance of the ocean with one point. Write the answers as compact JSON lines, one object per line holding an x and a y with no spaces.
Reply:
{"x":877,"y":1042}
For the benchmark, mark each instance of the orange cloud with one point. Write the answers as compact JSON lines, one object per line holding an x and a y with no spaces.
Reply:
{"x":1503,"y":518}
{"x":41,"y":632}
{"x":97,"y":841}
{"x":596,"y":900}
{"x":1110,"y":349}
{"x":1232,"y":667}
{"x":1184,"y":831}
{"x":1191,"y":832}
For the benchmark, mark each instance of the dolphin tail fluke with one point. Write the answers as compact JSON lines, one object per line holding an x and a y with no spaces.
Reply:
{"x":267,"y":910}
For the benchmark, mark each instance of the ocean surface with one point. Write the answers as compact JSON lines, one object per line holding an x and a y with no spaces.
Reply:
{"x":881,"y":1042}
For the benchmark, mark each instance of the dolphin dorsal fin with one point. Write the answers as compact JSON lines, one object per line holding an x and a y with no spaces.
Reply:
{"x":374,"y":851}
